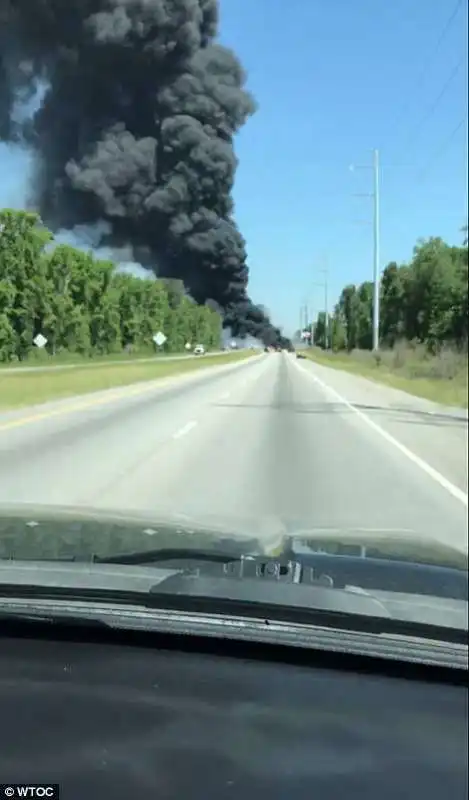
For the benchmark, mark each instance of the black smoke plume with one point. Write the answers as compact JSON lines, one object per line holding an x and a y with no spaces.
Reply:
{"x":137,"y":129}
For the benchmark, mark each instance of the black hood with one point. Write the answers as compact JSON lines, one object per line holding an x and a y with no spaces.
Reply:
{"x":32,"y":532}
{"x":390,"y":573}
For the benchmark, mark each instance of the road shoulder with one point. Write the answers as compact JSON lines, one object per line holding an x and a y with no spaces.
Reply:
{"x":436,"y":434}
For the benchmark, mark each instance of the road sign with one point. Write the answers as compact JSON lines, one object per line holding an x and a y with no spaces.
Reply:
{"x":159,"y":338}
{"x":188,"y":346}
{"x":40,"y":340}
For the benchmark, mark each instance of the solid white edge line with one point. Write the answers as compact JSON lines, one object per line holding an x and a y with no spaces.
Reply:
{"x":455,"y":491}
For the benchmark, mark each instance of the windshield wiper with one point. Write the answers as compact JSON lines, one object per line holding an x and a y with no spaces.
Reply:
{"x":167,"y":554}
{"x":142,"y":557}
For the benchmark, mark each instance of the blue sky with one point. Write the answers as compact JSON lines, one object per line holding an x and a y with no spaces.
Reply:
{"x":333,"y":80}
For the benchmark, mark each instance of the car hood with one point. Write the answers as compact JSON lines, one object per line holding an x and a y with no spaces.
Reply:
{"x":392,"y":573}
{"x":41,"y":532}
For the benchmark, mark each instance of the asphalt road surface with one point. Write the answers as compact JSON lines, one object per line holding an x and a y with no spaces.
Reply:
{"x":270,"y":439}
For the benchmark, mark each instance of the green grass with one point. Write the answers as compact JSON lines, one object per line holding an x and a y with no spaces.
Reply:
{"x":442,"y":378}
{"x":30,"y":388}
{"x":40,"y":358}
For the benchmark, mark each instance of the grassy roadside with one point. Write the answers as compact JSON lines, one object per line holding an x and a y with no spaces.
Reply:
{"x":43,"y":360}
{"x":18,"y":390}
{"x":442,"y":379}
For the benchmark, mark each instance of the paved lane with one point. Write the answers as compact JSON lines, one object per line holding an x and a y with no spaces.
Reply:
{"x":269,"y":439}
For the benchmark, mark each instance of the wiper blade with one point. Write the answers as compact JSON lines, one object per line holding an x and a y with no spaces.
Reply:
{"x":167,"y":554}
{"x":145,"y":557}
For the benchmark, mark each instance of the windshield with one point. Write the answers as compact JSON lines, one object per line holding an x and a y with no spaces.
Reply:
{"x":153,"y":414}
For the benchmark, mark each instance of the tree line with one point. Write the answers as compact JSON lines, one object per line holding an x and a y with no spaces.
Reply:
{"x":82,"y":305}
{"x":424,"y":302}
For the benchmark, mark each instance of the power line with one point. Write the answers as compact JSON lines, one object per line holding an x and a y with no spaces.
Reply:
{"x":421,"y":174}
{"x":422,"y":75}
{"x":432,"y":108}
{"x":440,"y":151}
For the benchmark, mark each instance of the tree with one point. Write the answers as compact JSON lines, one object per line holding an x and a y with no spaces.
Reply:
{"x":83,"y":305}
{"x":424,"y":301}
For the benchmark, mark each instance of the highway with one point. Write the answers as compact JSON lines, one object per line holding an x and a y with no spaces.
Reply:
{"x":274,"y":440}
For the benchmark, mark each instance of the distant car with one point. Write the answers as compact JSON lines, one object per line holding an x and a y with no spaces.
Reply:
{"x":300,"y":355}
{"x":199,"y":350}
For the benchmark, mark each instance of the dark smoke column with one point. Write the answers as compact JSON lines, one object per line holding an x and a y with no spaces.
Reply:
{"x":137,"y":129}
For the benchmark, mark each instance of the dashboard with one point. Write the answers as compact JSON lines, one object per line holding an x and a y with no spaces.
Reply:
{"x":108,"y":716}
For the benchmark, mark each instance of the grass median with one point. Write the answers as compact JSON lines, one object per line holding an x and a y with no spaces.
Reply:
{"x":92,"y":362}
{"x":442,"y":378}
{"x":30,"y":388}
{"x":39,"y":359}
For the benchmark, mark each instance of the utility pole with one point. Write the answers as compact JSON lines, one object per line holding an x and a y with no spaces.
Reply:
{"x":376,"y":243}
{"x":307,"y":320}
{"x":303,"y":316}
{"x":327,"y":332}
{"x":325,"y":286}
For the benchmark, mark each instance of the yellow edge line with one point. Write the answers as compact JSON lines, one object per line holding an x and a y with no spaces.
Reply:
{"x":129,"y":392}
{"x":18,"y":423}
{"x":91,"y":403}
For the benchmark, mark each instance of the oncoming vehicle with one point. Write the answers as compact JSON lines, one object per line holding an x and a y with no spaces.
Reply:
{"x":199,"y":350}
{"x":263,"y":661}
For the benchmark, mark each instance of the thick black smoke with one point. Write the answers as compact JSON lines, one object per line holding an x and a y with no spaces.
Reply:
{"x":137,"y":129}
